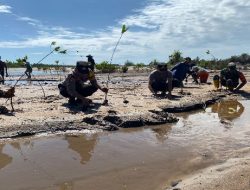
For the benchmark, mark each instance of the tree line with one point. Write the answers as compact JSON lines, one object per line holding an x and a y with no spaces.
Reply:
{"x":175,"y":57}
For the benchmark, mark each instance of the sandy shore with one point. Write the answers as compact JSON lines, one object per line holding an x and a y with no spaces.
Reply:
{"x":34,"y":113}
{"x":234,"y":174}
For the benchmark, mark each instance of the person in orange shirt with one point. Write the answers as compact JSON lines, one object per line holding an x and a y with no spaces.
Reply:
{"x":199,"y":73}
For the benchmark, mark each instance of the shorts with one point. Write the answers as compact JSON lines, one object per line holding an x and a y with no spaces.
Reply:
{"x":229,"y":83}
{"x":85,"y":90}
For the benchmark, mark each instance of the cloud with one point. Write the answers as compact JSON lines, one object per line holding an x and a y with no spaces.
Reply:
{"x":27,"y":19}
{"x":5,"y":9}
{"x":192,"y":26}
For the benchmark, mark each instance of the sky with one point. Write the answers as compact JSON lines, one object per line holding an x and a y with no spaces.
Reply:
{"x":156,"y":29}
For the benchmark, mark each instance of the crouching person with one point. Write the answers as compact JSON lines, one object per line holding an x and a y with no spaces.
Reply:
{"x":230,"y":76}
{"x":75,"y":87}
{"x":161,"y":80}
{"x":199,"y":73}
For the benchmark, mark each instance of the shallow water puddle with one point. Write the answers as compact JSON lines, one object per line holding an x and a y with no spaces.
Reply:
{"x":141,"y":159}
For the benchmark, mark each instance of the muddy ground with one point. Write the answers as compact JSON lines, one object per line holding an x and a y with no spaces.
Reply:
{"x":130,"y":105}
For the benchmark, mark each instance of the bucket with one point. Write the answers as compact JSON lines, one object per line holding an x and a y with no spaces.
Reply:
{"x":216,"y":81}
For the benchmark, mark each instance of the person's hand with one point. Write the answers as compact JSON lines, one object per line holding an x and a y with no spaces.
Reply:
{"x":236,"y":90}
{"x":105,"y":90}
{"x":10,"y":93}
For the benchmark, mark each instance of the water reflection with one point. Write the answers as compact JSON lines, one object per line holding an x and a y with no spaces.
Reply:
{"x":66,"y":186}
{"x":228,"y":110}
{"x":4,"y":158}
{"x":83,"y":145}
{"x":161,"y":133}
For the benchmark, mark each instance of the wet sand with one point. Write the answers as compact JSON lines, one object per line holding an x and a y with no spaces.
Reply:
{"x":32,"y":109}
{"x":234,"y":174}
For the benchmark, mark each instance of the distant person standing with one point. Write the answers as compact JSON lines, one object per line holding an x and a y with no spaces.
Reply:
{"x":91,"y":61}
{"x":3,"y":66}
{"x":28,"y":70}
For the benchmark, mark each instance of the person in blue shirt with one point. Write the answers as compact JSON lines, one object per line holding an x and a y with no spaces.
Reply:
{"x":181,"y":70}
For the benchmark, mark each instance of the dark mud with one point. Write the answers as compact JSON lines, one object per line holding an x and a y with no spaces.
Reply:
{"x":132,"y":121}
{"x":48,"y":127}
{"x":195,"y":104}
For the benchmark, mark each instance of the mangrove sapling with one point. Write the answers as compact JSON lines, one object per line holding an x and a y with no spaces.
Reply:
{"x":124,"y":29}
{"x":214,"y":59}
{"x":53,"y":49}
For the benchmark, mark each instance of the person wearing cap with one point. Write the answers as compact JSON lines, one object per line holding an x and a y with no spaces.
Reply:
{"x":181,"y":70}
{"x":3,"y":67}
{"x":91,"y":61}
{"x":199,"y":73}
{"x":75,"y":88}
{"x":230,"y":76}
{"x":160,"y":80}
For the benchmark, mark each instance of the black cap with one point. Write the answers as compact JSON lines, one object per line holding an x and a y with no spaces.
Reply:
{"x":188,"y":59}
{"x":161,"y":64}
{"x":82,"y":67}
{"x":89,"y":55}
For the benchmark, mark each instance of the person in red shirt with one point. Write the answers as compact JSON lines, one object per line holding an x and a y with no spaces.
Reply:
{"x":199,"y":73}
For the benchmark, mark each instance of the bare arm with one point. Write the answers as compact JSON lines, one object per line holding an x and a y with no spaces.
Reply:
{"x":241,"y":85}
{"x":243,"y":81}
{"x":95,"y":83}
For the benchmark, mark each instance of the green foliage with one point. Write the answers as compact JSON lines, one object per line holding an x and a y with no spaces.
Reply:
{"x":63,"y":51}
{"x":18,"y":63}
{"x":124,"y":28}
{"x":106,"y":67}
{"x":175,"y":57}
{"x":153,"y":63}
{"x":57,"y":48}
{"x":12,"y":64}
{"x":129,"y":63}
{"x":53,"y":43}
{"x":138,"y":66}
{"x":124,"y":69}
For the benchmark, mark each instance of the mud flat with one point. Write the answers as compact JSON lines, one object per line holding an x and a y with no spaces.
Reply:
{"x":130,"y":105}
